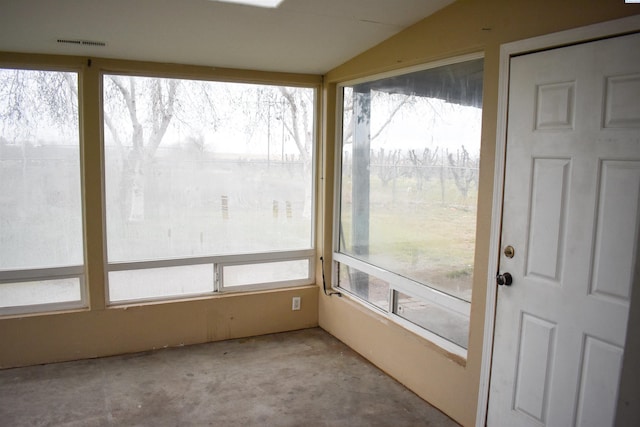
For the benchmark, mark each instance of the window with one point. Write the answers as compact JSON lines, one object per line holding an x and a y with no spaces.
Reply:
{"x":406,"y":216}
{"x":41,"y":235}
{"x":208,"y":186}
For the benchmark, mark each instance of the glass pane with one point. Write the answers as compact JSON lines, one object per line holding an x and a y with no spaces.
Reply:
{"x":411,"y":147}
{"x":160,"y":282}
{"x":268,"y":272}
{"x":198,"y":168}
{"x":446,"y":323}
{"x":369,"y":288}
{"x":40,"y":198}
{"x":40,"y":292}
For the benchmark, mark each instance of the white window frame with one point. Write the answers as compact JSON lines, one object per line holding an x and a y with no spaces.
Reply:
{"x":53,"y":273}
{"x":395,"y":281}
{"x":217,"y":264}
{"x":264,"y":258}
{"x":45,"y":274}
{"x":218,"y":261}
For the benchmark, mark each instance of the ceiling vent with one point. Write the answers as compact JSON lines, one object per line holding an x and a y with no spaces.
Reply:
{"x":81,"y":42}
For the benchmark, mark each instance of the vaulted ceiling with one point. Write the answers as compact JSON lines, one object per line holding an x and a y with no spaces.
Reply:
{"x":302,"y":36}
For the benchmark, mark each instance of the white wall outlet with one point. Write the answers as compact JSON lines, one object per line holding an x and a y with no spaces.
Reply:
{"x":295,"y":303}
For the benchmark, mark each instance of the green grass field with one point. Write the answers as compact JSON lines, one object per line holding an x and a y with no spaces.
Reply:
{"x":417,"y":235}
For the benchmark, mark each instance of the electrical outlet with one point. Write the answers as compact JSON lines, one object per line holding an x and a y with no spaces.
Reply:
{"x":295,"y":303}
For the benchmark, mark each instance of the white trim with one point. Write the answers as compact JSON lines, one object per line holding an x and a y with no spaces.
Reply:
{"x":103,"y":189}
{"x":577,"y":35}
{"x":266,"y":286}
{"x":43,"y":308}
{"x":406,"y":285}
{"x":315,"y":164}
{"x":35,"y":274}
{"x":217,"y":263}
{"x":337,"y":181}
{"x":216,"y":259}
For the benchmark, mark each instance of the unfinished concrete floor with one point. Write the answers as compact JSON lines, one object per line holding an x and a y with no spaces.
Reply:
{"x":302,"y":378}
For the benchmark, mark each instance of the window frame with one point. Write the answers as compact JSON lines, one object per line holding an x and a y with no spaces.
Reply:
{"x":218,"y":261}
{"x":265,"y":258}
{"x":396,"y":282}
{"x":44,"y":274}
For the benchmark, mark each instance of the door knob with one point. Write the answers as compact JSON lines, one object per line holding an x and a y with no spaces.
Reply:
{"x":504,"y":279}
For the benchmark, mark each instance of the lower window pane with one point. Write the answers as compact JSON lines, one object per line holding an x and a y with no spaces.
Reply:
{"x":160,"y":282}
{"x":267,"y":272}
{"x":40,"y":292}
{"x":369,"y":288}
{"x":446,"y":323}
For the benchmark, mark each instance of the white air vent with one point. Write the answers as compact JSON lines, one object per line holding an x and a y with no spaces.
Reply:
{"x":81,"y":42}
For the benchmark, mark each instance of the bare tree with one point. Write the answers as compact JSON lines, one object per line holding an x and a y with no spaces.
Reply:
{"x":286,"y":114}
{"x":423,"y":165}
{"x":297,"y":119}
{"x":394,"y":108}
{"x":464,"y":170}
{"x":386,"y":164}
{"x":298,"y":108}
{"x":52,"y":102}
{"x":29,"y":97}
{"x":22,"y":88}
{"x":150,"y":102}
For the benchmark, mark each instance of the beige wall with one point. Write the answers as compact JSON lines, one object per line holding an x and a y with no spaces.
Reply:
{"x":101,"y":330}
{"x":78,"y":335}
{"x":464,"y":27}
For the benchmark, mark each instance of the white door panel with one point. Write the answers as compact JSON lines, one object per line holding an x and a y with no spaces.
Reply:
{"x":571,"y":211}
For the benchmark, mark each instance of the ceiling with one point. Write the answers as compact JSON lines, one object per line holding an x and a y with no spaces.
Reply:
{"x":302,"y":36}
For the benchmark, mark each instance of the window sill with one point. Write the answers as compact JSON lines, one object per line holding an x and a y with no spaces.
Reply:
{"x":441,"y":345}
{"x":124,"y":305}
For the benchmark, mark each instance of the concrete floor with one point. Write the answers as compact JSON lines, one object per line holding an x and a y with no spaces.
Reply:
{"x":302,"y":378}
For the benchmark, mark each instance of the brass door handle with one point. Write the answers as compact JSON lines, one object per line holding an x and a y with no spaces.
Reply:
{"x":509,"y":251}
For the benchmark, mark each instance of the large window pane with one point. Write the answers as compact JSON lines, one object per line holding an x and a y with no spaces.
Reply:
{"x":409,"y":176}
{"x":40,"y":188}
{"x":40,"y":204}
{"x":202,"y":169}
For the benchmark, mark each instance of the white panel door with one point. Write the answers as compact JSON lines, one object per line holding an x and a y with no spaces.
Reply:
{"x":570,"y":211}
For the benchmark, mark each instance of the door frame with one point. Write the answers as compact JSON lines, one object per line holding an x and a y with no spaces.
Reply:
{"x":582,"y":34}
